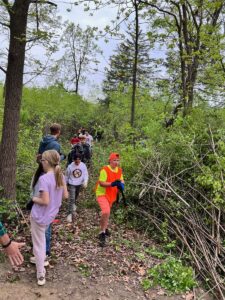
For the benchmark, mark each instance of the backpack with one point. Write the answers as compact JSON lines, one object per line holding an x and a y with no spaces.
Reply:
{"x":76,"y":149}
{"x":87,"y":152}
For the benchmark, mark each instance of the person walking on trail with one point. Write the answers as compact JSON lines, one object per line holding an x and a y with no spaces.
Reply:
{"x":77,"y":148}
{"x":74,"y":140}
{"x":89,"y":138}
{"x":11,"y":248}
{"x":52,"y":189}
{"x":86,"y":158}
{"x":35,"y":192}
{"x":50,"y":142}
{"x":76,"y":177}
{"x":109,"y":183}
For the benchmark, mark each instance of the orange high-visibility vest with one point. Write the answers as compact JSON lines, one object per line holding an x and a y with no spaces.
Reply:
{"x":111,"y":192}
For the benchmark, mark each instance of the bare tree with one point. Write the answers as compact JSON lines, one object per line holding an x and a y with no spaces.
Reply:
{"x":79,"y":58}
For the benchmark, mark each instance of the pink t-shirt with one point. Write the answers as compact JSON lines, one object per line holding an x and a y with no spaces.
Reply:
{"x":45,"y":214}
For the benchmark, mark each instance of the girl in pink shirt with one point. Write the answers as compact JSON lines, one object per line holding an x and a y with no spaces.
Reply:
{"x":52,"y":189}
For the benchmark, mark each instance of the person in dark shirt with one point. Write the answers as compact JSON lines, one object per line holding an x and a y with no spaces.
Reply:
{"x":86,"y":158}
{"x":50,"y":142}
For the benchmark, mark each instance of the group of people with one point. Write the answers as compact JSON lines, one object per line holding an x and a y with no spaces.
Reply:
{"x":81,"y":143}
{"x":50,"y":186}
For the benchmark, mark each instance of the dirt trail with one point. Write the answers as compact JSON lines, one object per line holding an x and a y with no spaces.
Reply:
{"x":80,"y":269}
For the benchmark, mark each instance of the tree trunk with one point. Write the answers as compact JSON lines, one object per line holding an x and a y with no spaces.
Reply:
{"x":134,"y":84}
{"x":76,"y":86}
{"x":13,"y":94}
{"x":191,"y":83}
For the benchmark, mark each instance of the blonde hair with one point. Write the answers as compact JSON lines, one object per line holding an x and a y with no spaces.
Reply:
{"x":53,"y":158}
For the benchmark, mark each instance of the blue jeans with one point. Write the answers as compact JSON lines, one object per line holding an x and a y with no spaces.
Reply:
{"x":48,"y":234}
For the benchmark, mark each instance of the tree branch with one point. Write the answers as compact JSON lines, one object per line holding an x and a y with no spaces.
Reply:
{"x":8,"y":6}
{"x":37,"y":17}
{"x":2,"y":69}
{"x":43,"y":2}
{"x":193,"y":14}
{"x":162,"y":10}
{"x":5,"y":24}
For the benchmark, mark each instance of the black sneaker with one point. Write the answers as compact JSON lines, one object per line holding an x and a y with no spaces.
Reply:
{"x":101,"y":237}
{"x":107,"y":232}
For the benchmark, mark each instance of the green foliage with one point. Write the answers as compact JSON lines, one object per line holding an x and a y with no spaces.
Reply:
{"x":40,"y":108}
{"x":7,"y":209}
{"x":146,"y":284}
{"x":211,"y":177}
{"x":56,"y":105}
{"x":120,"y":215}
{"x":69,"y":237}
{"x":140,"y":255}
{"x":155,"y":253}
{"x":2,"y":257}
{"x":84,"y":269}
{"x":171,"y":275}
{"x":120,"y":71}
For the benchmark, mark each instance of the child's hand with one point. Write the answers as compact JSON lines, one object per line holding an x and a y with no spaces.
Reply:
{"x":85,"y":184}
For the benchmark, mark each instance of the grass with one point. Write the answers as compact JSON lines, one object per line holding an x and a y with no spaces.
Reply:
{"x":84,"y":270}
{"x":2,"y":257}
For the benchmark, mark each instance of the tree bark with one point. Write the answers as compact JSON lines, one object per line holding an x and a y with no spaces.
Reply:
{"x":134,"y":83}
{"x":13,"y":94}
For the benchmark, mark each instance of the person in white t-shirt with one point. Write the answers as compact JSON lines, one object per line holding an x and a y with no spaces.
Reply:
{"x":76,"y":176}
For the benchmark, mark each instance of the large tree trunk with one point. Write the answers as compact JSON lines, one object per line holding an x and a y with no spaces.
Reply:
{"x":13,"y":94}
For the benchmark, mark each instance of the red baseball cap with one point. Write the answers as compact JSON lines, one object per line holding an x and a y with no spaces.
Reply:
{"x":114,"y":155}
{"x":75,"y":140}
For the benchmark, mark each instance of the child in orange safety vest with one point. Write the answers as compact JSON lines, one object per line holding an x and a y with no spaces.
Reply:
{"x":109,"y":183}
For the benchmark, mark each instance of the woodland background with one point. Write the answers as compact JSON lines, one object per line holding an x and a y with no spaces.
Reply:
{"x":164,"y":115}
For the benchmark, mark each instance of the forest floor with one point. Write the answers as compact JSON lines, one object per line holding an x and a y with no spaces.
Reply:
{"x":80,"y":269}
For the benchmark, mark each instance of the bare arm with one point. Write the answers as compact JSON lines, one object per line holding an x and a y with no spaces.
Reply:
{"x":43,"y":199}
{"x":65,"y":192}
{"x":104,"y":183}
{"x":12,"y":250}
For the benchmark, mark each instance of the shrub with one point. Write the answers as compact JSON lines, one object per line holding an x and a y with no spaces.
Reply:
{"x":171,"y":275}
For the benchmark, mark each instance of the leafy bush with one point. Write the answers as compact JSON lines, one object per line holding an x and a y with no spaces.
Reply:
{"x":7,"y":210}
{"x":171,"y":275}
